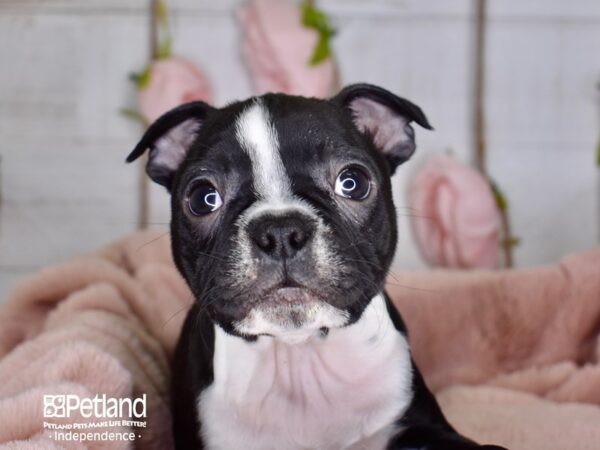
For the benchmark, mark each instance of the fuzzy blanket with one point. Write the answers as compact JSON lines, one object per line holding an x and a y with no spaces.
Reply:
{"x":513,"y":356}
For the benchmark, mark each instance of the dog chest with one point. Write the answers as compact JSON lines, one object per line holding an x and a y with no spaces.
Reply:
{"x":342,"y":391}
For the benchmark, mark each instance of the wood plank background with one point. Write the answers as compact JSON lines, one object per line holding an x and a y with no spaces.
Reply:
{"x":63,"y":77}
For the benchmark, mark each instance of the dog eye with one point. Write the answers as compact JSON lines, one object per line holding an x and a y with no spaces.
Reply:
{"x":353,"y":183}
{"x":203,"y":199}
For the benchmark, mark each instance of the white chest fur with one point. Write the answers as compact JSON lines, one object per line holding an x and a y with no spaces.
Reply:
{"x":343,"y":391}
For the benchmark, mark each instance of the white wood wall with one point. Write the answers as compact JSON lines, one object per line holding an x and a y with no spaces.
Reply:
{"x":63,"y":77}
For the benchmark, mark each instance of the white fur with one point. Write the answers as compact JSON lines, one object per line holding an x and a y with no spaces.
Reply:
{"x":339,"y":392}
{"x":278,"y":208}
{"x":315,"y":315}
{"x":258,"y":138}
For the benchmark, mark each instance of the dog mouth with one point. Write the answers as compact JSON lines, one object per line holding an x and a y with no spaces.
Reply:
{"x":289,"y":295}
{"x":292,"y":312}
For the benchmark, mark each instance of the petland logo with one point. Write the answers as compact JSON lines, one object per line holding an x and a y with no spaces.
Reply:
{"x":99,"y":407}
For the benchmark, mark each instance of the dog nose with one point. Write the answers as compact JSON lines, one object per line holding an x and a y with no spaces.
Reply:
{"x":281,"y":237}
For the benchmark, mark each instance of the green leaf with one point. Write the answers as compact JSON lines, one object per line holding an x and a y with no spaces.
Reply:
{"x":164,"y":49}
{"x":317,"y":20}
{"x":142,"y":79}
{"x":134,"y":115}
{"x":314,"y":18}
{"x":162,"y":14}
{"x":598,"y":153}
{"x":163,"y":34}
{"x":499,"y":196}
{"x":513,"y":241}
{"x":322,"y":51}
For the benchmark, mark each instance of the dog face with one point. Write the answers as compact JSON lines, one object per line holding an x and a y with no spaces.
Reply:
{"x":282,"y":216}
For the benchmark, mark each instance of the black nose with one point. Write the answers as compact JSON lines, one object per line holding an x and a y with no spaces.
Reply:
{"x":281,"y":237}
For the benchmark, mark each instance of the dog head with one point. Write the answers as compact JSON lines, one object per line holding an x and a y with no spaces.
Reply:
{"x":282,"y":216}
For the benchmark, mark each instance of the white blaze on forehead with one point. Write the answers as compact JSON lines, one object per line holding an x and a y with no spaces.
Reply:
{"x":258,"y":138}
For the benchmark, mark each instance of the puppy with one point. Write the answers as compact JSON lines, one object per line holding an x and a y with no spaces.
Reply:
{"x":283,"y":225}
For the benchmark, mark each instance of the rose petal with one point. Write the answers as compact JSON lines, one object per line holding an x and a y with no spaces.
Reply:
{"x":463,"y":228}
{"x":173,"y":81}
{"x":277,"y":50}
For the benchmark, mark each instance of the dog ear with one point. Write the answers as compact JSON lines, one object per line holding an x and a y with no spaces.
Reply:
{"x":385,"y":118}
{"x":169,"y":138}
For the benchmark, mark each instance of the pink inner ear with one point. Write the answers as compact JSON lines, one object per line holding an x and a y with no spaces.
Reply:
{"x":389,"y":130}
{"x":170,"y":150}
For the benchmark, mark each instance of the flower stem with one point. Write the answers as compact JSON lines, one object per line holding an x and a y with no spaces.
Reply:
{"x":143,"y":183}
{"x":507,"y":241}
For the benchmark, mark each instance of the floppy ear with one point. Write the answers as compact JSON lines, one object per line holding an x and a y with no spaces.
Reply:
{"x":169,"y":138}
{"x":385,"y":118}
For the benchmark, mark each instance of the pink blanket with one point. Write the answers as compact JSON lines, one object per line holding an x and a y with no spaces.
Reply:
{"x":512,"y":356}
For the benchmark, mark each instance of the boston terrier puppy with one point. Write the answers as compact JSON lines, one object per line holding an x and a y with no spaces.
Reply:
{"x":283,"y":225}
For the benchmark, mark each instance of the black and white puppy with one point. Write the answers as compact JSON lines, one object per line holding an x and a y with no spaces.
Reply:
{"x":284,"y":227}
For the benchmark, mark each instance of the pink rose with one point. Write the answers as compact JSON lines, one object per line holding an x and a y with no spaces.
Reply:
{"x":456,"y":222}
{"x":173,"y":81}
{"x":278,"y":48}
